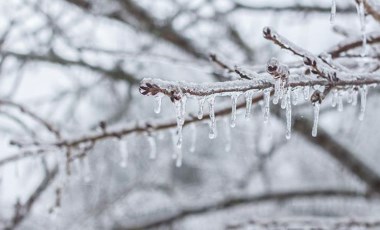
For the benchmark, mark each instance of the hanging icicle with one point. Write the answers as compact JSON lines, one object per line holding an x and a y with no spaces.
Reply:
{"x":361,"y":15}
{"x":158,"y":99}
{"x":306,"y":93}
{"x":316,"y":106}
{"x":180,"y":111}
{"x":267,"y":104}
{"x":340,"y":102}
{"x":248,"y":102}
{"x":234,"y":98}
{"x":211,"y":103}
{"x":363,"y":101}
{"x":201,"y":102}
{"x":288,"y":114}
{"x":193,"y":131}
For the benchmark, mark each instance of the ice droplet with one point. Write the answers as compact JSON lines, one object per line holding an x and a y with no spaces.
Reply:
{"x":288,"y":114}
{"x":158,"y":99}
{"x":333,"y":12}
{"x":363,"y":101}
{"x":153,"y":147}
{"x":211,"y":103}
{"x":123,"y":149}
{"x":193,"y":131}
{"x":316,"y":119}
{"x":248,"y":102}
{"x":266,"y":104}
{"x":201,"y":102}
{"x":234,"y":99}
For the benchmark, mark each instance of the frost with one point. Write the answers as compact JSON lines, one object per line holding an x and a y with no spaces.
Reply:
{"x":201,"y":102}
{"x":316,"y":119}
{"x":234,"y":99}
{"x":158,"y":99}
{"x":363,"y":101}
{"x":153,"y":147}
{"x":288,"y":114}
{"x":267,"y":104}
{"x":333,"y":11}
{"x":211,"y":103}
{"x":123,"y":149}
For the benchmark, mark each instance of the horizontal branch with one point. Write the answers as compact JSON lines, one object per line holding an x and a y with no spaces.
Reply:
{"x":244,"y":200}
{"x":175,"y":90}
{"x":295,"y":8}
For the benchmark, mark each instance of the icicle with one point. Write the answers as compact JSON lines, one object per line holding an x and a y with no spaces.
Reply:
{"x":350,"y":96}
{"x":123,"y":149}
{"x":266,"y":104}
{"x":288,"y":114}
{"x":174,"y":141}
{"x":234,"y":98}
{"x":295,"y":96}
{"x":363,"y":101}
{"x":180,"y":111}
{"x":340,"y":102}
{"x":211,"y":102}
{"x":158,"y":99}
{"x":283,"y":102}
{"x":334,"y":98}
{"x":178,"y":162}
{"x":354,"y":98}
{"x":361,"y":14}
{"x":201,"y":102}
{"x":316,"y":118}
{"x":152,"y":146}
{"x":248,"y":101}
{"x":193,"y":131}
{"x":306,"y":92}
{"x":333,"y":12}
{"x":277,"y":91}
{"x":227,"y":147}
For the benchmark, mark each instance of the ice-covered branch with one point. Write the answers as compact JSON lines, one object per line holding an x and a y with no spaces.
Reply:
{"x":22,"y":210}
{"x":236,"y":201}
{"x":33,"y":115}
{"x":176,"y":90}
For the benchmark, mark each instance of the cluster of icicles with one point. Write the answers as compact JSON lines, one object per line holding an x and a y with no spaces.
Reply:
{"x":286,"y":96}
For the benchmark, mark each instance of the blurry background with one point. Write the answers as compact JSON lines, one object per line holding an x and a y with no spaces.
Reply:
{"x":78,"y":62}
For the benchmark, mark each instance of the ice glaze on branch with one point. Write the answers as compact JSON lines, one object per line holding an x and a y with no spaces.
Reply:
{"x":176,"y":90}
